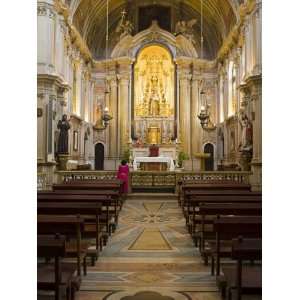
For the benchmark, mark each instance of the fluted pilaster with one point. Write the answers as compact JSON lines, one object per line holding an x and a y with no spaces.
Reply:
{"x":113,"y":127}
{"x":124,"y":113}
{"x":256,"y":103}
{"x":46,"y":36}
{"x":185,"y":112}
{"x":195,"y":124}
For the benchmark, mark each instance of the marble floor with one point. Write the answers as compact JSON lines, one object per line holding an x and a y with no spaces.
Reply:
{"x":150,"y":256}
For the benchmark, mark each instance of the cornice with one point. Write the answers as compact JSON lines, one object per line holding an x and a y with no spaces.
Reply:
{"x":53,"y":79}
{"x":45,"y":9}
{"x":76,"y":38}
{"x":112,"y":64}
{"x":76,"y":118}
{"x":235,"y":36}
{"x":184,"y":62}
{"x":253,"y":79}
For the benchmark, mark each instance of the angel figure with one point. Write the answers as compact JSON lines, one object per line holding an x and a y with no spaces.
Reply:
{"x":186,"y":29}
{"x":124,"y":28}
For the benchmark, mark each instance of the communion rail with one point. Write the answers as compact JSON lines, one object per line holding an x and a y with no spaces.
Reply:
{"x":154,"y":180}
{"x":41,"y":181}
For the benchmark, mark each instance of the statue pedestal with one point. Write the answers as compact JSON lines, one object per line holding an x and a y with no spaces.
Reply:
{"x":202,"y":157}
{"x":62,"y":161}
{"x":245,"y":160}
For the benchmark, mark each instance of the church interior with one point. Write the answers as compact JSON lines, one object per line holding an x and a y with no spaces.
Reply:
{"x":149,"y":149}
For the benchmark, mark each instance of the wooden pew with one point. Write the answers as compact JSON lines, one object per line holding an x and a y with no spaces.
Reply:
{"x":193,"y":204}
{"x":114,"y":194}
{"x":220,"y":186}
{"x":114,"y":187}
{"x":105,"y":192}
{"x":243,"y":279}
{"x":91,"y":213}
{"x":71,"y":226}
{"x":227,"y":228}
{"x":209,"y":211}
{"x":106,"y":201}
{"x":88,"y":186}
{"x":58,"y":276}
{"x":112,"y":184}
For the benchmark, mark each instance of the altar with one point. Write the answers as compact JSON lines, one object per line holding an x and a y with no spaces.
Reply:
{"x":158,"y":163}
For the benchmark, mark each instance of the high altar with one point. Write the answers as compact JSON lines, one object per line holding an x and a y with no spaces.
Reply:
{"x":154,"y":79}
{"x":154,"y":117}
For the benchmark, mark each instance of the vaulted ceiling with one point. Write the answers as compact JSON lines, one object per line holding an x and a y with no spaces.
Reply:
{"x":219,"y":16}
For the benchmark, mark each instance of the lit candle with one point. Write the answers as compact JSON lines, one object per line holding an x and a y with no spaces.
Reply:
{"x":106,"y":110}
{"x":202,"y":108}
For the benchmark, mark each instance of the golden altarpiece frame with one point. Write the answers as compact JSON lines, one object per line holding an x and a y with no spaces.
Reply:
{"x":154,"y":96}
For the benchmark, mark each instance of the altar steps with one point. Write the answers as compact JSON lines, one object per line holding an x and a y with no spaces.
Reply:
{"x":152,"y":196}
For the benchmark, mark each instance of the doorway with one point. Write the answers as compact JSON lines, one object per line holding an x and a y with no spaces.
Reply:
{"x":209,"y":163}
{"x":99,"y":156}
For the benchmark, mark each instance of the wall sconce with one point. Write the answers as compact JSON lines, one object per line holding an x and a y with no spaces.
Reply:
{"x":103,"y":123}
{"x":204,"y":115}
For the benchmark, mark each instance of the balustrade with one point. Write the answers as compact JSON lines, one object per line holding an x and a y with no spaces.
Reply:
{"x":41,"y":181}
{"x":151,"y":179}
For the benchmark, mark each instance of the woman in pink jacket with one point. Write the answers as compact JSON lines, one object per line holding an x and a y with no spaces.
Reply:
{"x":123,"y":174}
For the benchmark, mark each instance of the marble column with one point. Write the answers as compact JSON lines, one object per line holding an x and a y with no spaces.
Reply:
{"x":82,"y":93}
{"x":184,"y":113}
{"x":225,"y":101}
{"x":256,"y":163}
{"x":124,"y":113}
{"x":221,"y":100}
{"x":86,"y":96}
{"x":257,"y":38}
{"x":41,"y":128}
{"x":248,"y":48}
{"x":76,"y":87}
{"x":196,"y":131}
{"x":113,"y":124}
{"x":46,"y":37}
{"x":51,"y":126}
{"x":59,"y":45}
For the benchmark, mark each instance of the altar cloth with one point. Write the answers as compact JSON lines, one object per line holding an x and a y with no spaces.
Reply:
{"x":168,"y":160}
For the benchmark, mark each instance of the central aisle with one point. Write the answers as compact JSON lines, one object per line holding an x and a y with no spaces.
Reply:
{"x":150,"y":257}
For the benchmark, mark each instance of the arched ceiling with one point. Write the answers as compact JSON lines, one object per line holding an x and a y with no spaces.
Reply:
{"x":219,"y":17}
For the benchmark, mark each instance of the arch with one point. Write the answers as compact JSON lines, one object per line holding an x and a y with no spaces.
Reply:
{"x":154,"y":35}
{"x":137,"y":50}
{"x":209,"y":163}
{"x":99,"y":156}
{"x":219,"y":18}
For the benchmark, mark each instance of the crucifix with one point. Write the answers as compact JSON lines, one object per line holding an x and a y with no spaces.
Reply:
{"x":123,"y":13}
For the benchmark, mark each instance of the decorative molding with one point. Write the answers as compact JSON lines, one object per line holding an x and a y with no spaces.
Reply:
{"x":75,"y":36}
{"x":76,"y":118}
{"x":52,"y":80}
{"x":184,"y":79}
{"x":45,"y":10}
{"x":236,"y":35}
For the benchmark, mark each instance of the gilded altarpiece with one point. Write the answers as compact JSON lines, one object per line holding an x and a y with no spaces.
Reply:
{"x":154,"y":94}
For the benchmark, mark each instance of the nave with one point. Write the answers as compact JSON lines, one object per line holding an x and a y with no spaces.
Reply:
{"x":149,"y":252}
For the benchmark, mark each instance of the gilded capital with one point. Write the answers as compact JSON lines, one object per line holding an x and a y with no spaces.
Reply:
{"x":113,"y":81}
{"x":185,"y":77}
{"x":123,"y":79}
{"x":45,"y":10}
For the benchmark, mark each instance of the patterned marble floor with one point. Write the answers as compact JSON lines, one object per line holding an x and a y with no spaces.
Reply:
{"x":150,"y":256}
